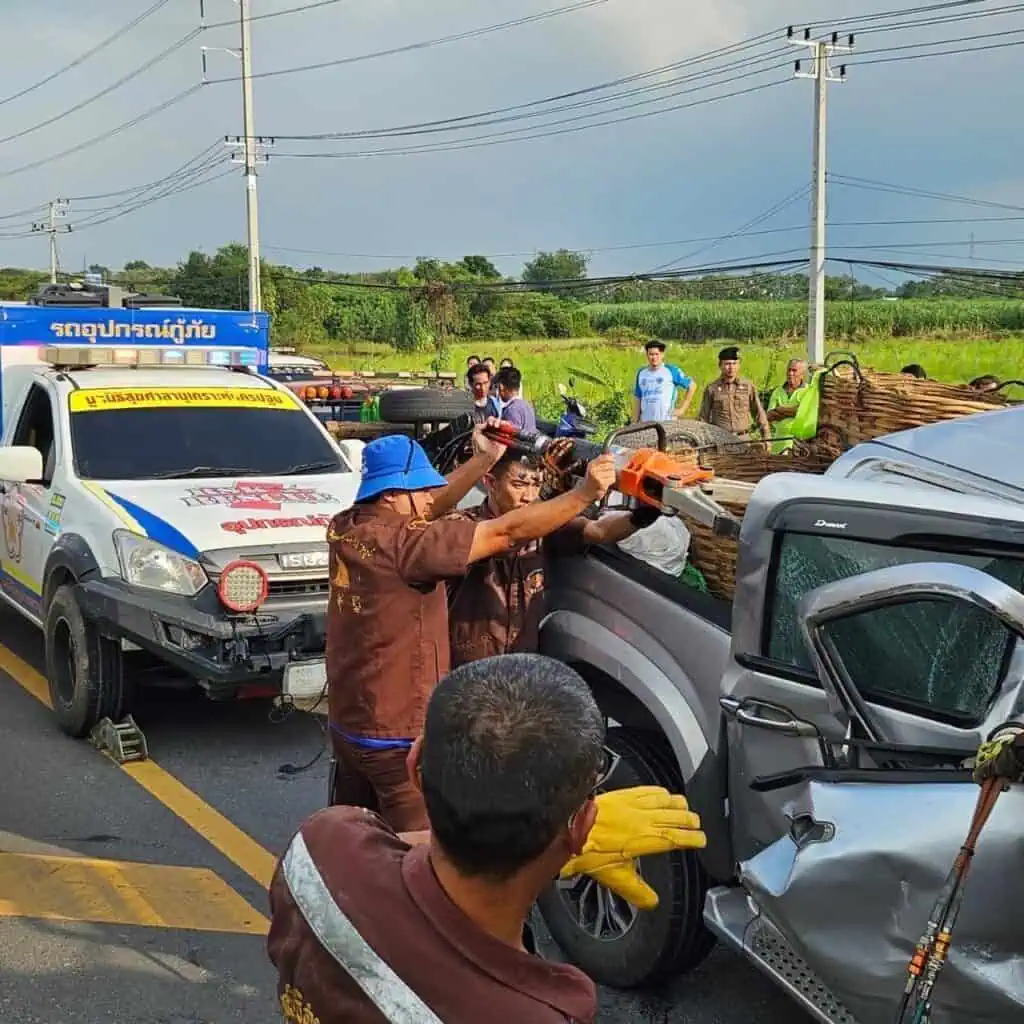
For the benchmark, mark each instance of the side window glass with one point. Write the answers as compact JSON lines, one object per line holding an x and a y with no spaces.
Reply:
{"x":36,"y":429}
{"x":926,"y":655}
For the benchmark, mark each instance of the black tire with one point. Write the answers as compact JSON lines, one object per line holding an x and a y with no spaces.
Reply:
{"x":669,"y":940}
{"x":424,"y":405}
{"x":85,"y":671}
{"x":694,"y":433}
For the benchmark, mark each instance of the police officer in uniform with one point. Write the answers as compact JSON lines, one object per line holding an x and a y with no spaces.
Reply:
{"x":732,"y":402}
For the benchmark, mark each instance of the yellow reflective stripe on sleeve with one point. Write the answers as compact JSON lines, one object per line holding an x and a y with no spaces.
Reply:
{"x":105,"y":399}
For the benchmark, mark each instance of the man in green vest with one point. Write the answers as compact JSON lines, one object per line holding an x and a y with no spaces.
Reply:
{"x":784,"y":403}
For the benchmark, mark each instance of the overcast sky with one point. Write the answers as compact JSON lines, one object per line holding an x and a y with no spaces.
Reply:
{"x":949,"y":124}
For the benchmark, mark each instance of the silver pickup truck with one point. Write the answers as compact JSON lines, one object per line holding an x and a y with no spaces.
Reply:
{"x":819,"y":723}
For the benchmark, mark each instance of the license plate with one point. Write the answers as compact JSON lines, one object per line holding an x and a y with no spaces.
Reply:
{"x":305,"y":681}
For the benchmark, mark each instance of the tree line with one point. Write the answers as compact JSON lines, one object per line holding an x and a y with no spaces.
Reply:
{"x":424,"y":305}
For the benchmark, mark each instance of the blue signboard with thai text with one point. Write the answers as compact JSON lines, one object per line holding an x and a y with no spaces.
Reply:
{"x":63,"y":325}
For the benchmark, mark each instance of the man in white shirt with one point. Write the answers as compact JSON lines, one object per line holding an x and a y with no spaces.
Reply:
{"x":657,"y":386}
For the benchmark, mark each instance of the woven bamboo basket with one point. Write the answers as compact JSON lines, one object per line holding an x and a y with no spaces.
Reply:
{"x":715,"y":556}
{"x":861,"y":404}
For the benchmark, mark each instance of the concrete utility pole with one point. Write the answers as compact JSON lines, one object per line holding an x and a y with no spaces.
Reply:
{"x":821,"y":51}
{"x":51,"y":227}
{"x":251,"y":206}
{"x":249,"y":146}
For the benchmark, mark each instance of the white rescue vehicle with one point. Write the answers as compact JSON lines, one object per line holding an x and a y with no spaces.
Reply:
{"x":164,"y":506}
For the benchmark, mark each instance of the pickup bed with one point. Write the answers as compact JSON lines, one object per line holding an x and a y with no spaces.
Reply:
{"x":877,"y":609}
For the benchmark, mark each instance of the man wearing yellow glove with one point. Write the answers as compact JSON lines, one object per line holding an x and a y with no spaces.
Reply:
{"x":368,"y":924}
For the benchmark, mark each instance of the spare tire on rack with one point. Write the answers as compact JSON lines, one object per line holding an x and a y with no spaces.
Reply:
{"x":692,"y":433}
{"x":424,"y":405}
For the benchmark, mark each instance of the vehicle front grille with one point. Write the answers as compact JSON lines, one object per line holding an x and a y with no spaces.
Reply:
{"x":299,"y":588}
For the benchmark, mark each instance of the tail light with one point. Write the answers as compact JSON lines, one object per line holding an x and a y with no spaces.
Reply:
{"x":322,"y":392}
{"x":337,"y":392}
{"x":243,"y":586}
{"x":310,"y":394}
{"x":347,"y":392}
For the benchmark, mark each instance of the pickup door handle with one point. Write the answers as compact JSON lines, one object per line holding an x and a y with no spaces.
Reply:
{"x":773,"y":717}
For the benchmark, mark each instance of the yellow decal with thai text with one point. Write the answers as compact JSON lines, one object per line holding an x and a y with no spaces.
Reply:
{"x":295,"y":1008}
{"x":107,"y":399}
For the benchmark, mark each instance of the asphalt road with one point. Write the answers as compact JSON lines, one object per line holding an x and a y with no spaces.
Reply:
{"x":128,"y":899}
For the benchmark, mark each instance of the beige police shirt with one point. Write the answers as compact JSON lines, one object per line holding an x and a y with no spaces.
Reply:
{"x":733,"y":405}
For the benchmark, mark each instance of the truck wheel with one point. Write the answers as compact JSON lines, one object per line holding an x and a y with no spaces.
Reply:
{"x":608,"y":939}
{"x":694,"y":433}
{"x":424,"y":405}
{"x":85,"y":670}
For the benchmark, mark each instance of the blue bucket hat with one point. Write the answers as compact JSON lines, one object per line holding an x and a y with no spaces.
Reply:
{"x":396,"y":463}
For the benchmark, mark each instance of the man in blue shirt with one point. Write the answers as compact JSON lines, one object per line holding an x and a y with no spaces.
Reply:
{"x":514,"y":407}
{"x":657,"y":387}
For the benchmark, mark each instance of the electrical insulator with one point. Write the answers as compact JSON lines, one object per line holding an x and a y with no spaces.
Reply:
{"x":789,"y":32}
{"x":807,"y":34}
{"x":798,"y":67}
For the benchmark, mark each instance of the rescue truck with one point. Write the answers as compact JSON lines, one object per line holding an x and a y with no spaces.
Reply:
{"x":164,"y":507}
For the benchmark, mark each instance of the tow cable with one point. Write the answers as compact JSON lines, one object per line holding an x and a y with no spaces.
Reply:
{"x":933,"y":947}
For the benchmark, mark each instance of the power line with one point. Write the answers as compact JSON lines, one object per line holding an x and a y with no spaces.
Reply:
{"x":213,"y":147}
{"x":426,"y":43}
{"x":98,"y":48}
{"x":542,"y":132}
{"x":500,"y":138}
{"x":110,"y":133}
{"x":123,"y":80}
{"x":872,"y":185}
{"x":742,"y":230}
{"x":461,"y":119}
{"x":627,"y":246}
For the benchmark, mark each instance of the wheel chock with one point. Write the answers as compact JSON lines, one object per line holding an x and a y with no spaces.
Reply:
{"x":123,"y":741}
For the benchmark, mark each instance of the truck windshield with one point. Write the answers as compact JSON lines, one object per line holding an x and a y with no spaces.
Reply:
{"x":198,"y":441}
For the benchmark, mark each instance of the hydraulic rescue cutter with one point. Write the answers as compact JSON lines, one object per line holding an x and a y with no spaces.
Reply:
{"x":648,"y":476}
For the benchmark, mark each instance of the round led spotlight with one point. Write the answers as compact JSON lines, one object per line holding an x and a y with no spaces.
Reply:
{"x":243,"y":586}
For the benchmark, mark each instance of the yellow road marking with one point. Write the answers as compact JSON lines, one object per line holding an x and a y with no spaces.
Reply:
{"x":240,"y":848}
{"x":121,"y":893}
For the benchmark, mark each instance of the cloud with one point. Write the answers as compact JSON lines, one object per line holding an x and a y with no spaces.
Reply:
{"x":692,"y":172}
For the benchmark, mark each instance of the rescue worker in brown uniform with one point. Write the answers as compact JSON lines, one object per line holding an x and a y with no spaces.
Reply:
{"x":732,"y":402}
{"x":497,"y":606}
{"x":387,"y":619}
{"x":369,"y":926}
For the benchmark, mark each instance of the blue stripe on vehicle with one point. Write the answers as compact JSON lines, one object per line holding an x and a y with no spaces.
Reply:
{"x":158,"y":529}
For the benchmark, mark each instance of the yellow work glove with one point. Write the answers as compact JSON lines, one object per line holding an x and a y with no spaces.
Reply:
{"x":633,"y":823}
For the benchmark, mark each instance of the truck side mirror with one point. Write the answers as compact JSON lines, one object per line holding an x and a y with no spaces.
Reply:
{"x":21,"y":464}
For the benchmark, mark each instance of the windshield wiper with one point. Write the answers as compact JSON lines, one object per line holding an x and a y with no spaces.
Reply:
{"x":210,"y":471}
{"x":310,"y":467}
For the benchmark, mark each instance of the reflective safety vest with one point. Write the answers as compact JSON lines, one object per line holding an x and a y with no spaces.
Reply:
{"x":336,"y":934}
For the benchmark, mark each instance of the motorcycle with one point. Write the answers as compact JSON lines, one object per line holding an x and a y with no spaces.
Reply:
{"x":573,"y":422}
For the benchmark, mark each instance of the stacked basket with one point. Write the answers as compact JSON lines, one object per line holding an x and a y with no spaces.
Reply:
{"x":860,"y":404}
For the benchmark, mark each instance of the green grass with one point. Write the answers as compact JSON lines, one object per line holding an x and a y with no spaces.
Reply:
{"x":546,"y":363}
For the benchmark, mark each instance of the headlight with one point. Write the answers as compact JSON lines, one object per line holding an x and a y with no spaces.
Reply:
{"x":144,"y":563}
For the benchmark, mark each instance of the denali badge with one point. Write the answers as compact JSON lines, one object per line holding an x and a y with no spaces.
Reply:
{"x":830,"y":526}
{"x":304,"y":560}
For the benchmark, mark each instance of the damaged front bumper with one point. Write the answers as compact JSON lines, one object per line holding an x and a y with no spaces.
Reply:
{"x":228,"y":654}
